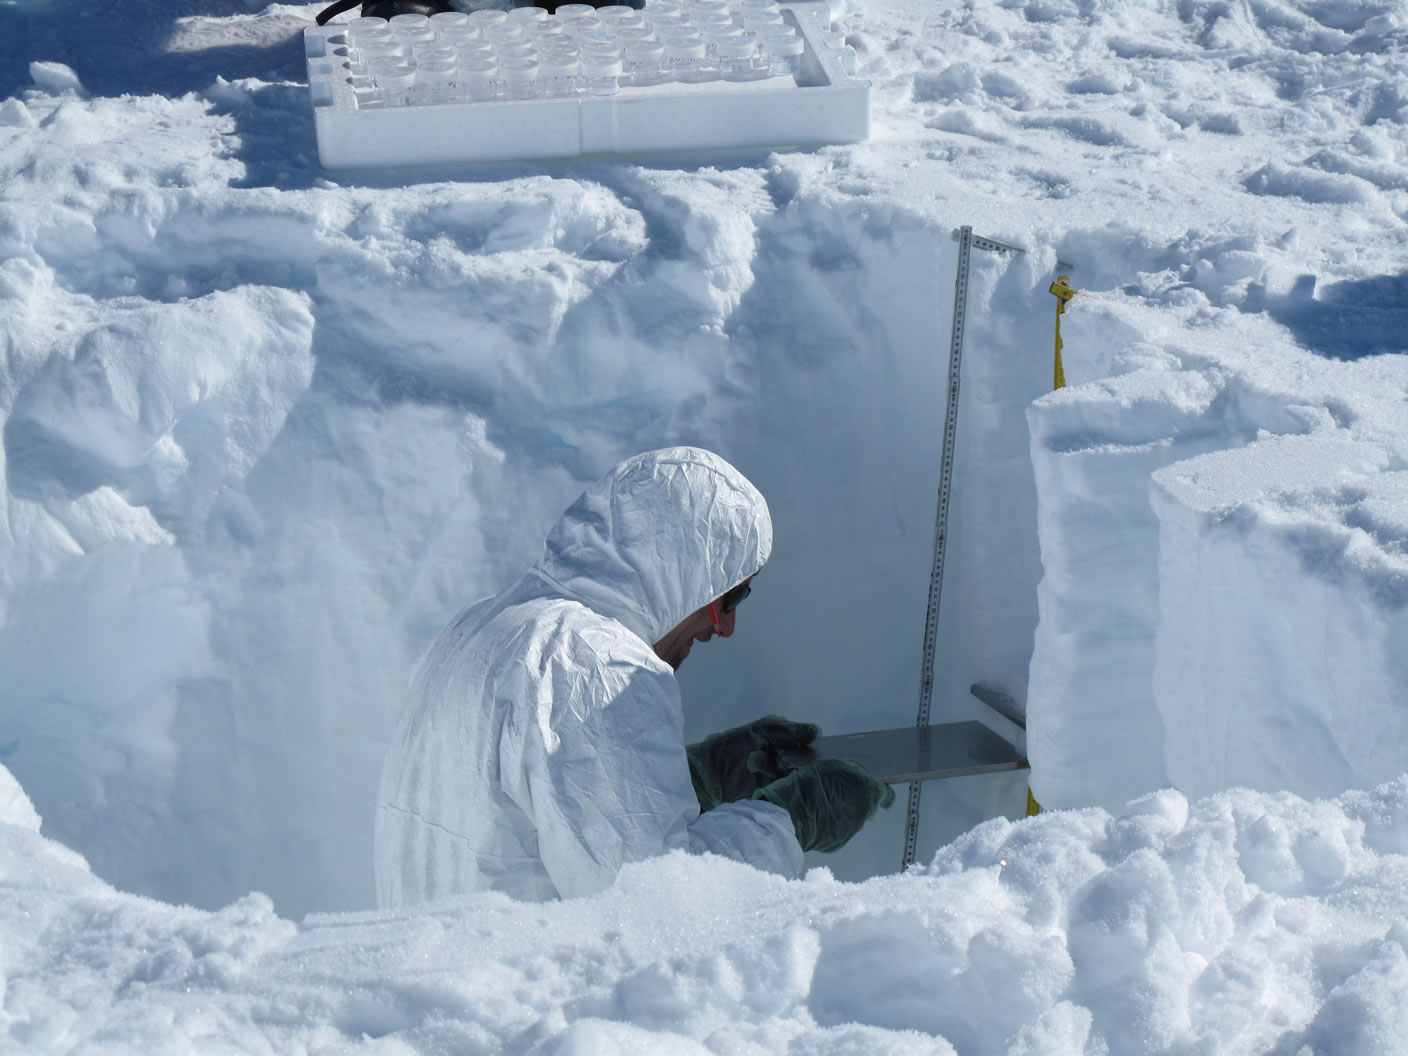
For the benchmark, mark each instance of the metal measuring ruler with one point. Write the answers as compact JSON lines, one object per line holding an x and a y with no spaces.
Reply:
{"x":966,"y":241}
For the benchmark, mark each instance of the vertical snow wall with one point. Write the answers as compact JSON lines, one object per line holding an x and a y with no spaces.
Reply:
{"x":1225,"y":560}
{"x":259,"y":445}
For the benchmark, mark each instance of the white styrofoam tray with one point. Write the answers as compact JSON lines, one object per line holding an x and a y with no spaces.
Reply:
{"x":823,"y":104}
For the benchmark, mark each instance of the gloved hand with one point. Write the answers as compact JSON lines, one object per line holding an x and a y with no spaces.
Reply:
{"x":829,"y":801}
{"x":736,"y":763}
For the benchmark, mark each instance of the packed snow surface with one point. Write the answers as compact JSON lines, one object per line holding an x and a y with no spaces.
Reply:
{"x":266,"y":427}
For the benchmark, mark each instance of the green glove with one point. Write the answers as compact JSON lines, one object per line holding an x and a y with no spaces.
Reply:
{"x":736,"y":763}
{"x":829,"y":801}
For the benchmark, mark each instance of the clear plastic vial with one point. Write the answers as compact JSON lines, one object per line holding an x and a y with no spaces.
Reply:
{"x":758,"y":5}
{"x":601,"y":71}
{"x":782,"y":50}
{"x":712,"y":20}
{"x":457,"y":34}
{"x":607,"y":50}
{"x":621,"y":23}
{"x":628,"y":35}
{"x":364,"y":31}
{"x":377,"y":50}
{"x":399,"y":22}
{"x":559,"y":72}
{"x":527,"y":14}
{"x":481,"y":79}
{"x":566,"y":11}
{"x":715,"y":32}
{"x":686,"y":60}
{"x":643,"y":63}
{"x":756,"y":20}
{"x":704,"y":7}
{"x":736,"y":58}
{"x":436,"y":52}
{"x":416,"y":38}
{"x":579,"y":24}
{"x":667,"y":19}
{"x":505,"y":33}
{"x":520,"y":77}
{"x":437,"y":82}
{"x":594,"y":36}
{"x":357,"y":25}
{"x":515,"y":51}
{"x":480,"y":19}
{"x":397,"y":85}
{"x":442,"y":20}
{"x":474,"y":49}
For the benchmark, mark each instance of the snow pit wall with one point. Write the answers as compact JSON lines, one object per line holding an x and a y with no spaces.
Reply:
{"x":226,"y":565}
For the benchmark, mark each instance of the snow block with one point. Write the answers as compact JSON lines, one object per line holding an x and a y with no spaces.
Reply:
{"x":1094,"y":735}
{"x":1283,"y":616}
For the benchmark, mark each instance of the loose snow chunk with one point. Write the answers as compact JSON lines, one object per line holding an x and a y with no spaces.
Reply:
{"x":56,"y":79}
{"x":14,"y":114}
{"x":15,"y":807}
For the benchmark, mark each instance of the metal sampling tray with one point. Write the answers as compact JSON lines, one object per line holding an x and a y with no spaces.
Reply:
{"x":917,"y":753}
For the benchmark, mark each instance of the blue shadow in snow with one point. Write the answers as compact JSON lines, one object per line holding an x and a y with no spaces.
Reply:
{"x":123,"y":46}
{"x":1347,"y":320}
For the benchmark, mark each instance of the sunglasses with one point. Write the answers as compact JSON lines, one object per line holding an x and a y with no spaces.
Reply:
{"x":733,"y":597}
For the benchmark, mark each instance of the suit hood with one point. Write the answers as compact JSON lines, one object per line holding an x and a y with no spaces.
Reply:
{"x":660,"y":536}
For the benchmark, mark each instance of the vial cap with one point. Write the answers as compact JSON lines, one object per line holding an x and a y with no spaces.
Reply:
{"x":593,"y":36}
{"x":410,"y":21}
{"x":396,"y":77}
{"x":504,"y":31}
{"x":519,"y":69}
{"x":381,"y":48}
{"x":558,"y":65}
{"x":594,"y":48}
{"x":713,"y":34}
{"x":437,"y":72}
{"x":459,"y":33}
{"x":712,"y":18}
{"x":735,"y":47}
{"x":783,"y":44}
{"x":758,"y":19}
{"x":685,"y":47}
{"x":671,"y":18}
{"x":600,"y":65}
{"x":516,"y":51}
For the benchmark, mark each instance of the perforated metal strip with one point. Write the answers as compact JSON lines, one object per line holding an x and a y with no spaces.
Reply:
{"x":967,"y":242}
{"x":936,"y":576}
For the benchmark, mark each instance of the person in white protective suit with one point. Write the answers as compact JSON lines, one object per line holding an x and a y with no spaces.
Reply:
{"x":542,"y":746}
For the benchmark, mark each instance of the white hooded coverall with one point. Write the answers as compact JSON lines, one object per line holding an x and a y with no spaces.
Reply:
{"x":542,"y":746}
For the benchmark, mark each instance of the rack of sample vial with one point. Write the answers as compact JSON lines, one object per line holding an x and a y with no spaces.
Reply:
{"x":495,"y":85}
